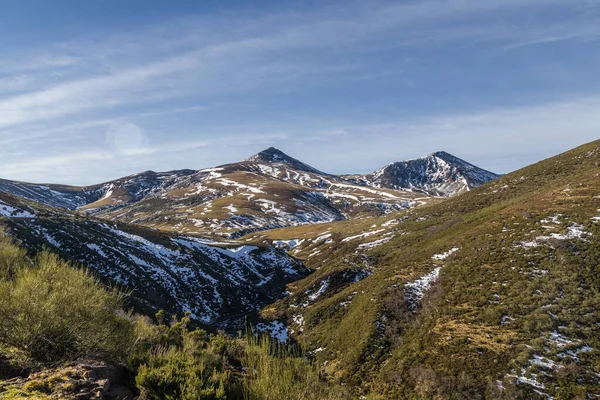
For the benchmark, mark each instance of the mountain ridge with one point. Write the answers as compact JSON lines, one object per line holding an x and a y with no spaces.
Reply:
{"x":439,"y":173}
{"x":135,"y":187}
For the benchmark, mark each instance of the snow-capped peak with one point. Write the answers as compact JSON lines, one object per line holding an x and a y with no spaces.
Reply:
{"x":276,"y":156}
{"x":439,"y":173}
{"x":271,"y":154}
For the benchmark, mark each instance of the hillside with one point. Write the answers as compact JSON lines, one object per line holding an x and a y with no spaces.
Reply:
{"x":219,"y":283}
{"x":120,"y":191}
{"x":491,"y":294}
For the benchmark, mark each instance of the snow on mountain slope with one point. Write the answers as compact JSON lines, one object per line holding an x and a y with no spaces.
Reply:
{"x":219,"y":283}
{"x":268,"y":190}
{"x":124,"y":190}
{"x":62,"y":196}
{"x":439,"y":174}
{"x":133,"y":188}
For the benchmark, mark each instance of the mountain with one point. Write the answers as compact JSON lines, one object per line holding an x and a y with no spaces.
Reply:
{"x":219,"y":283}
{"x":265,"y":191}
{"x":329,"y":197}
{"x":268,"y":190}
{"x":276,"y":157}
{"x":439,"y":174}
{"x":62,"y":196}
{"x":133,"y":188}
{"x":491,"y":294}
{"x":120,"y":191}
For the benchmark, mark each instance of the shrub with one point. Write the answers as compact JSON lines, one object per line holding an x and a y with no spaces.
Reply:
{"x":276,"y":374}
{"x":52,"y":311}
{"x":185,"y":373}
{"x":175,"y":362}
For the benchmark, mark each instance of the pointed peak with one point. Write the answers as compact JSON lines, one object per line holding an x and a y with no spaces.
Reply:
{"x":447,"y":157}
{"x":273,"y":155}
{"x":441,"y":154}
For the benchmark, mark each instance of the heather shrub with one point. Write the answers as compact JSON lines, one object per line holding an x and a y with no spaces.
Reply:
{"x":178,"y":362}
{"x":276,"y":373}
{"x":52,"y":311}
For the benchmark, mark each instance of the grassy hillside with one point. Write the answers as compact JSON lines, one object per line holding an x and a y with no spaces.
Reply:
{"x":492,"y":293}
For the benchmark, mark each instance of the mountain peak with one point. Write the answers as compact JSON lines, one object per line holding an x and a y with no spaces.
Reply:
{"x":273,"y":155}
{"x":441,"y":154}
{"x":439,"y":173}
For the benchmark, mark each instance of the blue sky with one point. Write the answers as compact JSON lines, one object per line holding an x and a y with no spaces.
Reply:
{"x":91,"y":91}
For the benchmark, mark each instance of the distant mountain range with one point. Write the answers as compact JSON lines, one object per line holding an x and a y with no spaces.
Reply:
{"x":269,"y":189}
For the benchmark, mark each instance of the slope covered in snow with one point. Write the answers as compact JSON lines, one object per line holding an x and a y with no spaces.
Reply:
{"x":268,"y":190}
{"x":219,"y":283}
{"x":439,"y":174}
{"x":120,"y":191}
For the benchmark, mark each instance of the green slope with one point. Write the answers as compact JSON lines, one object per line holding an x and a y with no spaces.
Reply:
{"x":514,"y":312}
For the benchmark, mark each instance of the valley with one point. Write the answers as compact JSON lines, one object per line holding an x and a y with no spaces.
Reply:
{"x":430,"y":278}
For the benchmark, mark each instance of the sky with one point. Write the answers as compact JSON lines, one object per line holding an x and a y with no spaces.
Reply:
{"x":95,"y":90}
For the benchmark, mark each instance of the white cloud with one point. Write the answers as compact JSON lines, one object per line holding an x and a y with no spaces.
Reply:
{"x":70,"y":93}
{"x":158,"y":68}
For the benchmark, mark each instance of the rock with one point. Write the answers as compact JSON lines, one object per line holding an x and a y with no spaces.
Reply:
{"x":80,"y":380}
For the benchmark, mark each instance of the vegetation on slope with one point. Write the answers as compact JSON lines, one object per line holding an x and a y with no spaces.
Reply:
{"x":492,"y":294}
{"x":59,"y":326}
{"x":52,"y":312}
{"x":513,"y":313}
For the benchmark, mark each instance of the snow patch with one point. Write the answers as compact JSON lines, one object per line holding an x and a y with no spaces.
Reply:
{"x":10,"y":211}
{"x":415,"y":290}
{"x":321,"y":291}
{"x":362,"y":235}
{"x":443,"y":256}
{"x":375,"y":243}
{"x":276,"y":329}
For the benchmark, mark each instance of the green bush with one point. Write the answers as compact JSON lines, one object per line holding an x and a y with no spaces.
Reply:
{"x":276,"y":374}
{"x":52,"y":311}
{"x":175,"y":362}
{"x":185,"y":374}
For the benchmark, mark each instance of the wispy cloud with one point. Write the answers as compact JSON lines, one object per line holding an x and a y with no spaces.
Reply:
{"x":129,"y":78}
{"x":501,"y":139}
{"x":169,"y":78}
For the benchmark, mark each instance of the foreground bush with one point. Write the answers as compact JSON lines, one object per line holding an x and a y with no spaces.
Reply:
{"x":174,"y":362}
{"x":275,"y":372}
{"x":51,"y":311}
